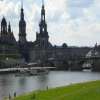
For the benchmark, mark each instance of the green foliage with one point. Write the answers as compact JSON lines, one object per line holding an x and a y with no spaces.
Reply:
{"x":82,"y":91}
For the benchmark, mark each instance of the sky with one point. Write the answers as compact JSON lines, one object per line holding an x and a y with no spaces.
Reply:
{"x":75,"y":22}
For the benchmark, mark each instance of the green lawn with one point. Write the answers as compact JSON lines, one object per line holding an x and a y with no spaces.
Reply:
{"x":81,"y":91}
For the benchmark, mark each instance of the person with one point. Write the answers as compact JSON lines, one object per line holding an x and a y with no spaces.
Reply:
{"x":14,"y":94}
{"x":47,"y":87}
{"x":9,"y":96}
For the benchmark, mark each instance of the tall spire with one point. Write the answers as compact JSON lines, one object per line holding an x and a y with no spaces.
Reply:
{"x":22,"y":26}
{"x":9,"y":28}
{"x":3,"y":25}
{"x":42,"y":37}
{"x":43,"y":11}
{"x":43,"y":25}
{"x":22,"y":11}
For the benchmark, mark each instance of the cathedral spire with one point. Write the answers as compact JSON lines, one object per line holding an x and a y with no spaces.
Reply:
{"x":22,"y":26}
{"x":22,"y":11}
{"x":9,"y":28}
{"x":3,"y":25}
{"x":42,"y":37}
{"x":43,"y":25}
{"x":43,"y":11}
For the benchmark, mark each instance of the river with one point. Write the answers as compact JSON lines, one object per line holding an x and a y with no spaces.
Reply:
{"x":10,"y":84}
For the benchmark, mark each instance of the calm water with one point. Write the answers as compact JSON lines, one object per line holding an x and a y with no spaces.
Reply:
{"x":10,"y":84}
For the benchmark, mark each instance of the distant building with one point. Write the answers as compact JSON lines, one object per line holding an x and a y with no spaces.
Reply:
{"x":42,"y":38}
{"x":22,"y":42}
{"x":93,"y":59}
{"x":8,"y":45}
{"x":41,"y":50}
{"x":6,"y":35}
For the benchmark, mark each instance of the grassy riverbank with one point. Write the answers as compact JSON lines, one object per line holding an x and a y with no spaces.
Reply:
{"x":81,"y":91}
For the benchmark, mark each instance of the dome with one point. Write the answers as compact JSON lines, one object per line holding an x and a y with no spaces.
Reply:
{"x":92,"y":53}
{"x":64,"y":45}
{"x":3,"y":22}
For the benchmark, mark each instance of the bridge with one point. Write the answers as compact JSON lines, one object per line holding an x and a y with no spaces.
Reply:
{"x":18,"y":69}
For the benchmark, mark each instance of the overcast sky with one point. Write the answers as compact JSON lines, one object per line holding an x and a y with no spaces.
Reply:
{"x":75,"y":22}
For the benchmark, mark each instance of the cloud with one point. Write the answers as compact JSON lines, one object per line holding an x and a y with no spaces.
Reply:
{"x":76,"y":7}
{"x":80,"y":3}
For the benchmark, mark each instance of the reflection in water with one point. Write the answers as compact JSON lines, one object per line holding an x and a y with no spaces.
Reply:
{"x":22,"y":84}
{"x":10,"y":84}
{"x":43,"y":80}
{"x":6,"y":84}
{"x":22,"y":81}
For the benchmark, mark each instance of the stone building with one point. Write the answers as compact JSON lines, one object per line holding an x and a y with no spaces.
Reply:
{"x":22,"y":42}
{"x":8,"y":45}
{"x":41,"y":50}
{"x":44,"y":52}
{"x":6,"y":35}
{"x":42,"y":38}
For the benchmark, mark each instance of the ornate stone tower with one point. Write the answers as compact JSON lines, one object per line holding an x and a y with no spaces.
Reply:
{"x":22,"y":27}
{"x":6,"y":35}
{"x":42,"y":37}
{"x":3,"y":26}
{"x":23,"y":44}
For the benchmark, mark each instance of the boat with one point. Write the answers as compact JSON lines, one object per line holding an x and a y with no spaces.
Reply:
{"x":23,"y":73}
{"x":32,"y":72}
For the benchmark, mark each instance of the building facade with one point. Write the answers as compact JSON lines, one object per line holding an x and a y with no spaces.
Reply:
{"x":41,"y":50}
{"x":47,"y":54}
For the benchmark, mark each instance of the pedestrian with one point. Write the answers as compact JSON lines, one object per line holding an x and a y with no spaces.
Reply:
{"x":9,"y":96}
{"x":47,"y":87}
{"x":14,"y":94}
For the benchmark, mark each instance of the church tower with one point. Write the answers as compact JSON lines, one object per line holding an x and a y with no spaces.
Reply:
{"x":9,"y":28}
{"x":22,"y":27}
{"x":23,"y":44}
{"x":3,"y":26}
{"x":43,"y":25}
{"x":11,"y":37}
{"x":42,"y":37}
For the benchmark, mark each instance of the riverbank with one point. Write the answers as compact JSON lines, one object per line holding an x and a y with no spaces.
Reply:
{"x":81,"y":91}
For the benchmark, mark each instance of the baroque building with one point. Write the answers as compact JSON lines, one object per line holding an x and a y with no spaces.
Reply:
{"x":41,"y":45}
{"x":6,"y":35}
{"x":42,"y":37}
{"x":44,"y":53}
{"x":41,"y":51}
{"x":8,"y":46}
{"x":22,"y":28}
{"x":22,"y":42}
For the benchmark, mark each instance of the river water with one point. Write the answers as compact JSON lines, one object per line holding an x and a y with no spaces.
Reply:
{"x":10,"y":84}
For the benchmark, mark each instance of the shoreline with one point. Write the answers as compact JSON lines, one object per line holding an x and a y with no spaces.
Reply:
{"x":65,"y":92}
{"x":14,"y":72}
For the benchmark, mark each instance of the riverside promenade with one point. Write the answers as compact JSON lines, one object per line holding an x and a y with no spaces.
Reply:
{"x":17,"y":69}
